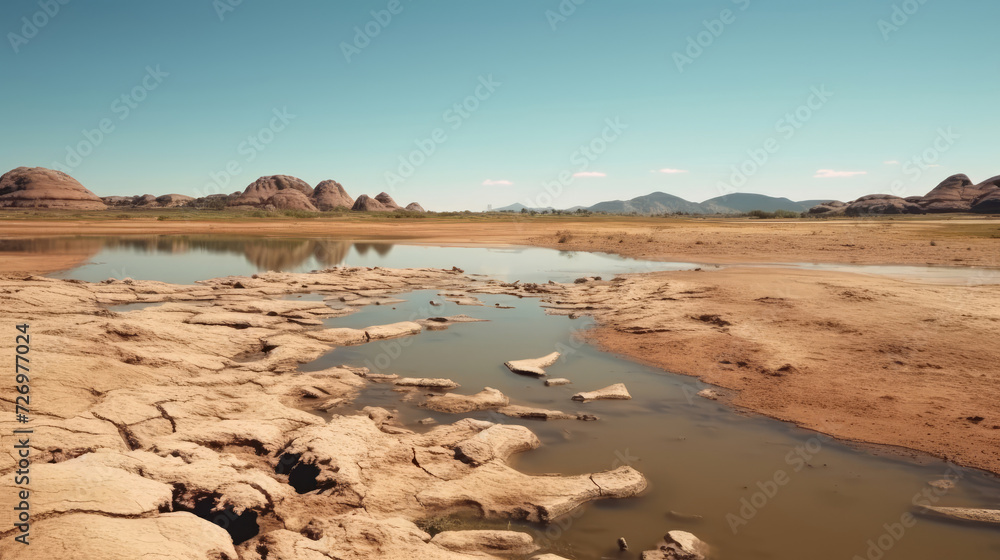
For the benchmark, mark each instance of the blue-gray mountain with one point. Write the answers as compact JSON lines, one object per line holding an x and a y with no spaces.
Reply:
{"x":663,"y":203}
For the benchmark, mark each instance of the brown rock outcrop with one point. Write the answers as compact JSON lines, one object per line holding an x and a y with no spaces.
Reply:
{"x":258,"y":192}
{"x":38,"y":187}
{"x":290,"y":199}
{"x":330,"y":194}
{"x":365,"y":203}
{"x":173,"y":200}
{"x":387,"y":201}
{"x":415,"y":207}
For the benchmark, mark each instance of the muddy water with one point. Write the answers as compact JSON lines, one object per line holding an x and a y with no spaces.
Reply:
{"x":751,"y":487}
{"x":185,"y":259}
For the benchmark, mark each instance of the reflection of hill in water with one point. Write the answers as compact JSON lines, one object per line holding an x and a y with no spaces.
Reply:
{"x":381,"y":249}
{"x":264,"y":253}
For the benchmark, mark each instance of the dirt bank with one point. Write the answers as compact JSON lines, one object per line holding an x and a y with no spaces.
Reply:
{"x":868,"y":359}
{"x":956,"y":241}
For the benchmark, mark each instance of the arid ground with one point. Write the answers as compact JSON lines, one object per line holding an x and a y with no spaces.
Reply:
{"x":887,"y":361}
{"x":906,"y":362}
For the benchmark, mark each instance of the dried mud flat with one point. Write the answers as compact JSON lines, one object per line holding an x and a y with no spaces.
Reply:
{"x":155,"y":428}
{"x":862,"y":358}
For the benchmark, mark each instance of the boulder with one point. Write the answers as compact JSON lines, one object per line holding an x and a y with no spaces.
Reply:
{"x":486,"y":541}
{"x":290,"y":199}
{"x":955,"y":194}
{"x":556,"y":381}
{"x":330,"y":194}
{"x":365,"y":203}
{"x":611,"y":392}
{"x":387,"y":201}
{"x":881,"y":204}
{"x":173,"y":200}
{"x":258,"y":192}
{"x":415,"y":207}
{"x":532,"y":366}
{"x":988,"y":202}
{"x":832,"y":207}
{"x":38,"y":187}
{"x":144,"y":200}
{"x":678,"y":545}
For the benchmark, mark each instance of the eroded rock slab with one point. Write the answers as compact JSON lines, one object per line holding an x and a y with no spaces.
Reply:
{"x":490,"y":542}
{"x":488,"y":398}
{"x":611,"y":392}
{"x":532,"y":366}
{"x":975,"y":515}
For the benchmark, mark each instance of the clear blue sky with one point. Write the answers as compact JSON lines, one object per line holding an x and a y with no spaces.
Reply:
{"x":561,"y":80}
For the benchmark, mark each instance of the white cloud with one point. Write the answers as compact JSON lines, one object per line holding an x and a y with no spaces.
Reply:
{"x":669,"y":171}
{"x":831,"y":174}
{"x":501,"y":182}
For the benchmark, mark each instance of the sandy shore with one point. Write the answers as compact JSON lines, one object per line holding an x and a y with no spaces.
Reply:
{"x":866,"y":359}
{"x":971,"y":241}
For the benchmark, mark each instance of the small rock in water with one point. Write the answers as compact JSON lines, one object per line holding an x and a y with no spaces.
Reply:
{"x":434,"y":303}
{"x":710,"y":394}
{"x":557,"y":381}
{"x":611,"y":392}
{"x":427,"y":421}
{"x":622,"y":545}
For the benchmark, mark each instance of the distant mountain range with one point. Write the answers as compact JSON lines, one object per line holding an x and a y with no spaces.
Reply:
{"x":663,"y":203}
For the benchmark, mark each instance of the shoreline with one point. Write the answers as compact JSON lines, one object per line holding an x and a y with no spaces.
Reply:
{"x":831,"y":332}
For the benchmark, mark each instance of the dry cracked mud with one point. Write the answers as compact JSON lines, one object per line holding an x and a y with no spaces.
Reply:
{"x":181,"y":430}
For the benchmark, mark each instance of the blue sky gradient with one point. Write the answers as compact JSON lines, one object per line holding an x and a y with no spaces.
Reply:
{"x":240,"y":90}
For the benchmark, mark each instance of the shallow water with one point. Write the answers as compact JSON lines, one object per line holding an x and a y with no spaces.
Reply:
{"x":710,"y":469}
{"x":187,"y":258}
{"x":701,"y":458}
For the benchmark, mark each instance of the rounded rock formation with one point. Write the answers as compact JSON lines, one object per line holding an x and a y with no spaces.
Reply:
{"x":365,"y":203}
{"x":387,"y":201}
{"x":290,"y":199}
{"x":330,"y":194}
{"x":415,"y":207}
{"x":258,"y":192}
{"x":38,"y":187}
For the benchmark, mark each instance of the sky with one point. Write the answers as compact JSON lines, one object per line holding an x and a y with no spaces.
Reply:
{"x":460,"y":104}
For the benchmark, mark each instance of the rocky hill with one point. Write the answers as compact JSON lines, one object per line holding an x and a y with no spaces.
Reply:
{"x":37,"y":187}
{"x":955,"y":194}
